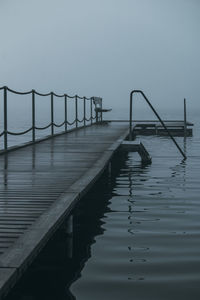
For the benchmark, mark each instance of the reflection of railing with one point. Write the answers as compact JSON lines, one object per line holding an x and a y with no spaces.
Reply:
{"x":52,"y":124}
{"x":157,"y":115}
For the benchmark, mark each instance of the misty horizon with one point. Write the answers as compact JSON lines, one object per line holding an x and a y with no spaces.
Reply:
{"x":103,"y":48}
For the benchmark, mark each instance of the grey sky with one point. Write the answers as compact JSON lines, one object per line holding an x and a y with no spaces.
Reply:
{"x":104,"y":48}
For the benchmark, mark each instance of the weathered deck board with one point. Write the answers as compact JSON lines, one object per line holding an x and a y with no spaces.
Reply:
{"x":39,"y":184}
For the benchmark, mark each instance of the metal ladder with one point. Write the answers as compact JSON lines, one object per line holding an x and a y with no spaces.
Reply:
{"x":157,"y":115}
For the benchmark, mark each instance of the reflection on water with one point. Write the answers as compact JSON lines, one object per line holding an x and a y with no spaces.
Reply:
{"x":150,"y":246}
{"x":136,"y":234}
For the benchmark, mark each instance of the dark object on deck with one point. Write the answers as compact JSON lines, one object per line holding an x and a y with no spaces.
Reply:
{"x":98,"y":108}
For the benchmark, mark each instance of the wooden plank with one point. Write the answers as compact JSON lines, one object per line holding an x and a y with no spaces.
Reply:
{"x":26,"y":249}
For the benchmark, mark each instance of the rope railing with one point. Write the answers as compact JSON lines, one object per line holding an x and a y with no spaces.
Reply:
{"x":43,"y":128}
{"x":19,"y":133}
{"x":76,"y":121}
{"x":59,"y":125}
{"x":71,"y":123}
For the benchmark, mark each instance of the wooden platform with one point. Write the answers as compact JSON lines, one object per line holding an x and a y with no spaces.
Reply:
{"x":40,"y":184}
{"x":176,"y":128}
{"x":154,"y":127}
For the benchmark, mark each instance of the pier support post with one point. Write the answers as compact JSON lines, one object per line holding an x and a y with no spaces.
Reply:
{"x":109,"y":168}
{"x":69,"y":233}
{"x":63,"y":240}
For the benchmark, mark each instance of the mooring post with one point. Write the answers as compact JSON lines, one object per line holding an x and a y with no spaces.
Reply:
{"x":185,"y":119}
{"x":33,"y":116}
{"x":5,"y":119}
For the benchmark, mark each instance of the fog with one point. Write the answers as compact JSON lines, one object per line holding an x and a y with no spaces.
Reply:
{"x":103,"y":48}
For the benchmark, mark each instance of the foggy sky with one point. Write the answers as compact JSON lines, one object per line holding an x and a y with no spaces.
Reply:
{"x":103,"y":48}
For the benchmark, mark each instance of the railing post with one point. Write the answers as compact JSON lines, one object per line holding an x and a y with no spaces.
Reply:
{"x":84,"y":111}
{"x":185,"y":119}
{"x":101,"y":114}
{"x":52,"y":115}
{"x":5,"y":119}
{"x":33,"y":116}
{"x":131,"y":117}
{"x":91,"y":110}
{"x":65,"y":112}
{"x":76,"y":110}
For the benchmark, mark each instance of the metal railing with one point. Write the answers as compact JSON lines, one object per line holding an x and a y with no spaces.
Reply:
{"x":157,"y":115}
{"x":52,"y":124}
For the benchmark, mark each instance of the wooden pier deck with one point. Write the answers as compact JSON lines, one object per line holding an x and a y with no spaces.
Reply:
{"x":39,"y":185}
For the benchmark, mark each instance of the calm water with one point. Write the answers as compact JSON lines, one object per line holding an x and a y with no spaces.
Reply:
{"x":136,"y":233}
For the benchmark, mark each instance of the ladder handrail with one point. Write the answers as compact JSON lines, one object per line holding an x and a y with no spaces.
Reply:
{"x":157,"y":115}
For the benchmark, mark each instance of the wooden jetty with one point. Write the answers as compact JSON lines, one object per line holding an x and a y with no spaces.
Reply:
{"x":40,"y":182}
{"x":39,"y":186}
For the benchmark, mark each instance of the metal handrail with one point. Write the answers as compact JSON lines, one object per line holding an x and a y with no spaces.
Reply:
{"x":157,"y":115}
{"x":52,"y":124}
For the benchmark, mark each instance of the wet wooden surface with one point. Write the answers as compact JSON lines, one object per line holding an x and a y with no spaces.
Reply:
{"x":40,"y":184}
